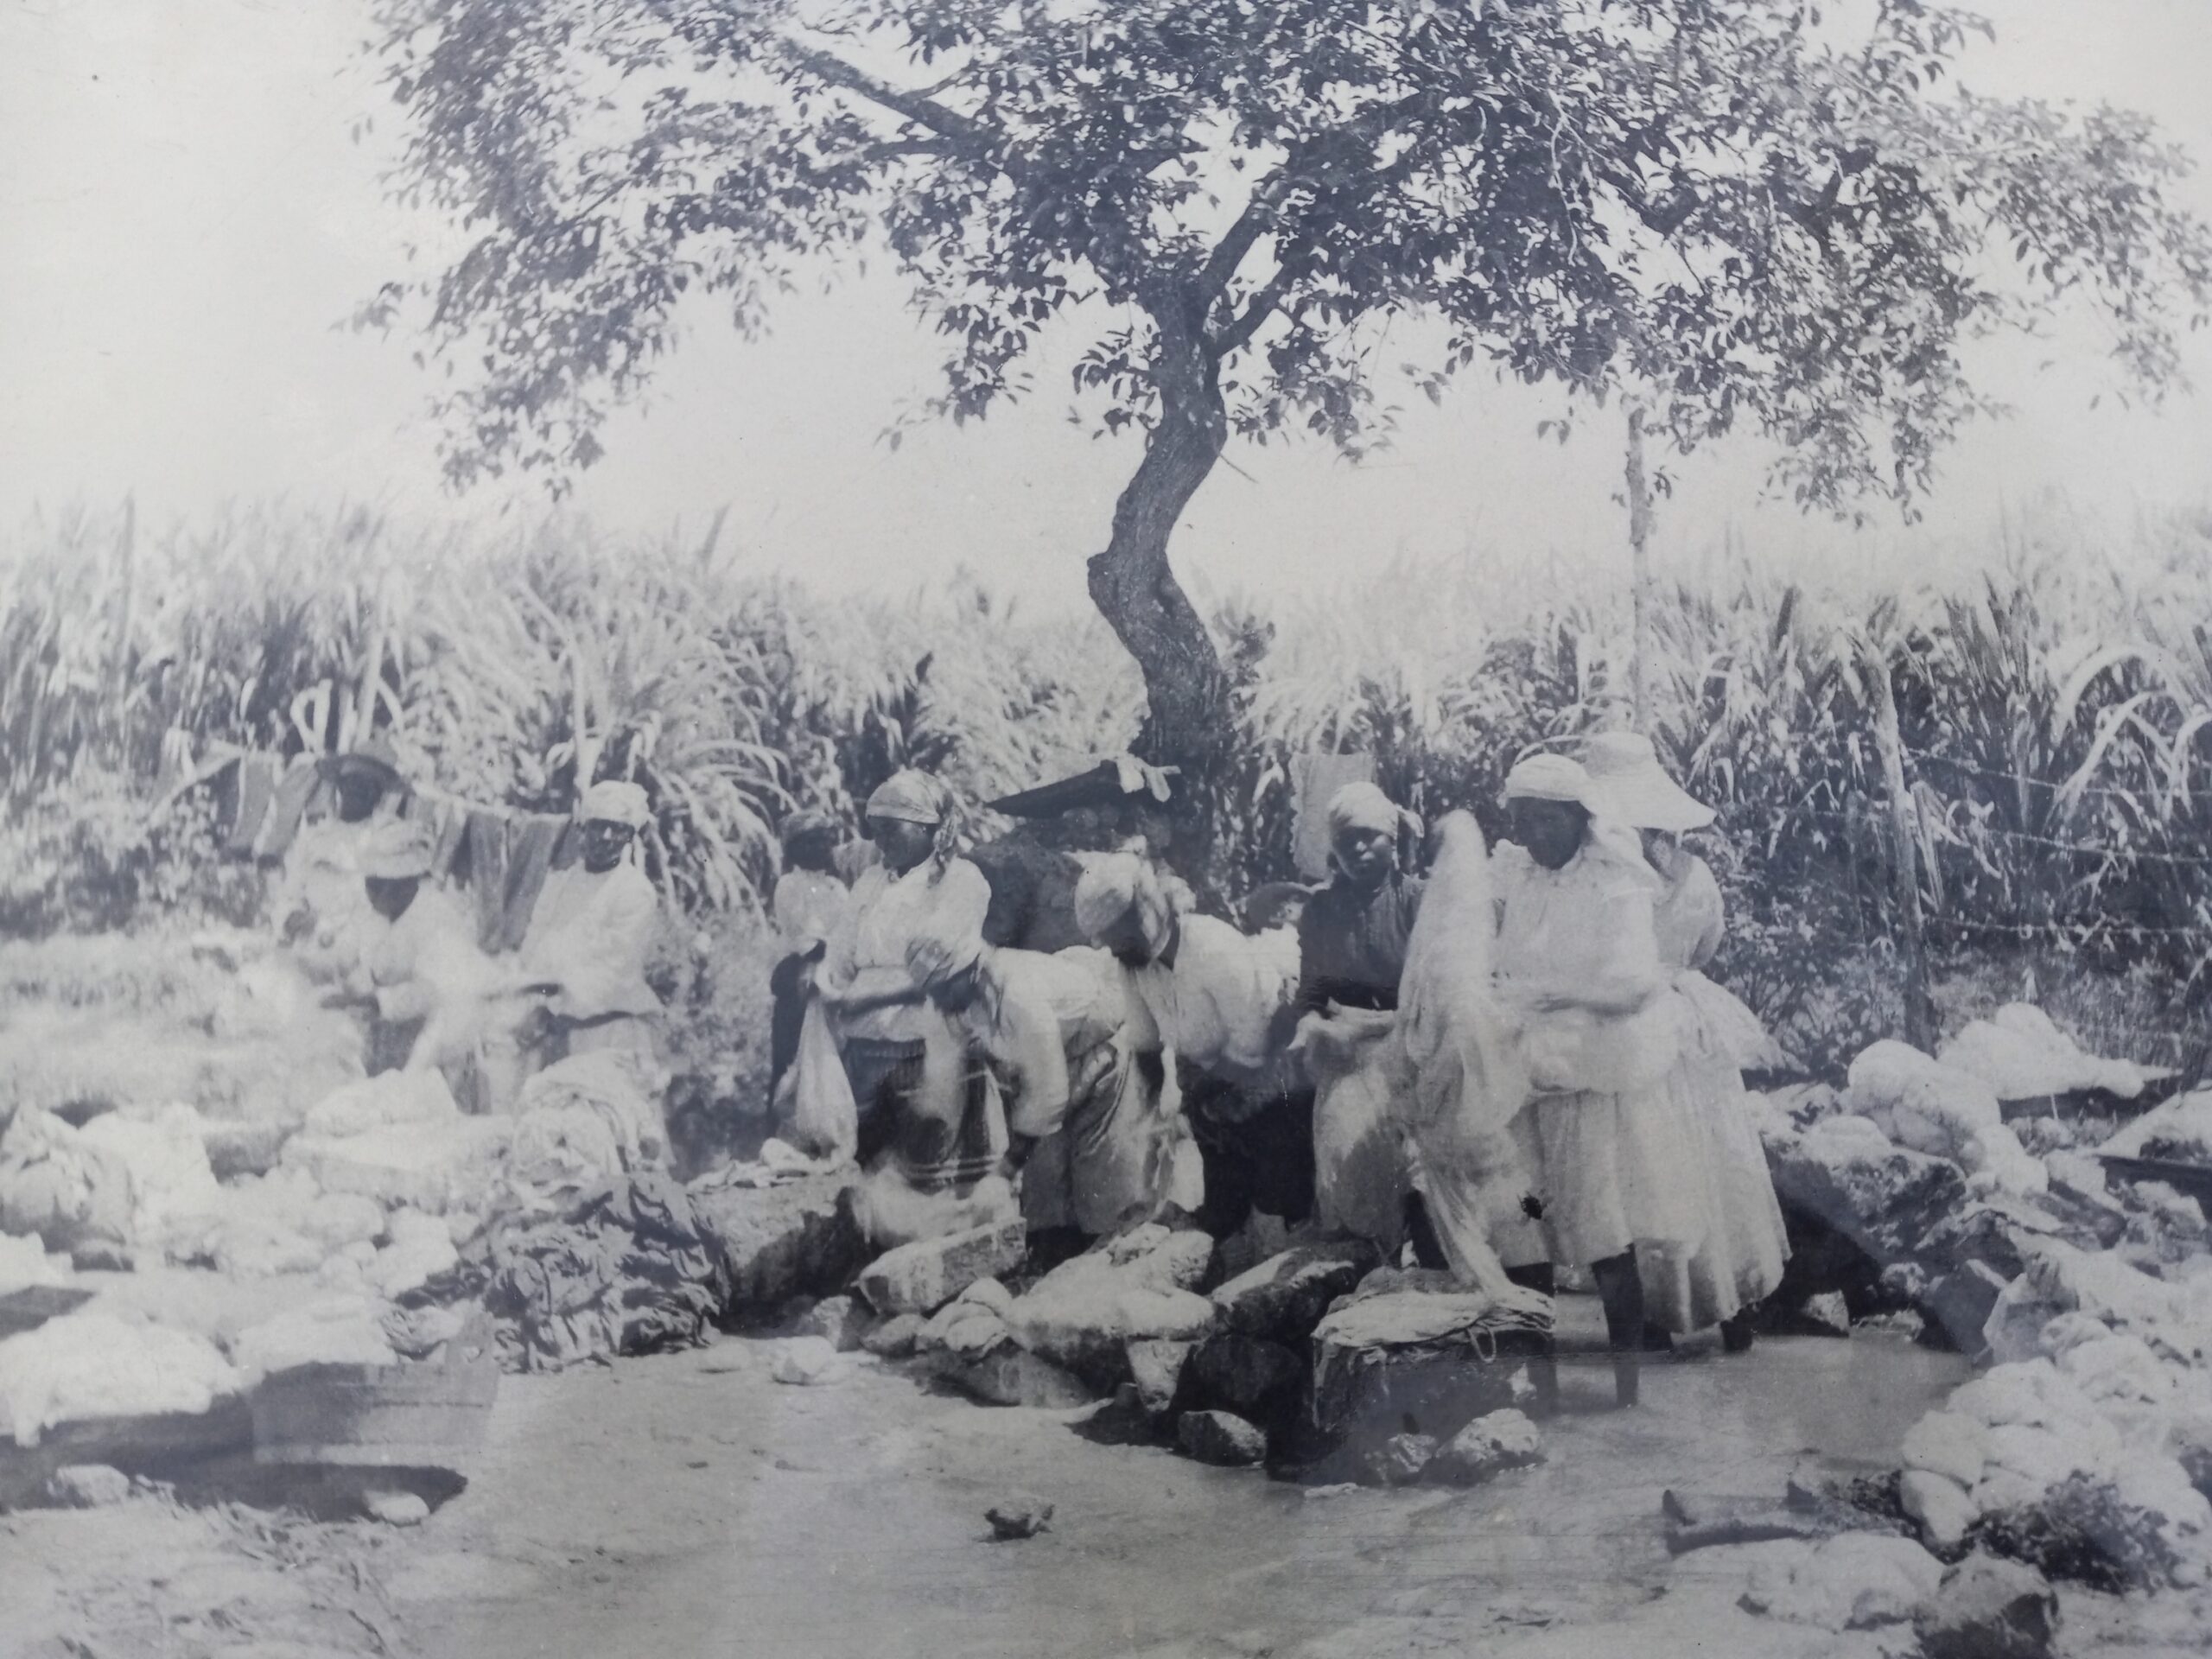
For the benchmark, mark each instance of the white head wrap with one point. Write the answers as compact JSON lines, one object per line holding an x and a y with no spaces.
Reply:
{"x":615,"y":801}
{"x":1551,"y":778}
{"x":1110,"y":887}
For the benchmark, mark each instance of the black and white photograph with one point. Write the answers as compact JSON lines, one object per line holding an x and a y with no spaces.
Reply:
{"x":1105,"y":829}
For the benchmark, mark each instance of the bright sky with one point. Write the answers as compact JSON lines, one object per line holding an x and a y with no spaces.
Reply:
{"x":185,"y":221}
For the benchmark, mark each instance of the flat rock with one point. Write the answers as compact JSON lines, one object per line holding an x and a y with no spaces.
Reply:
{"x":922,"y":1277}
{"x":1284,"y":1297}
{"x":795,"y":1239}
{"x":1990,"y":1609}
{"x":1388,"y":1353}
{"x":1487,"y":1447}
{"x":1220,"y":1438}
{"x":87,"y":1486}
{"x":1085,"y":1312}
{"x":1009,"y":1375}
{"x":1704,"y":1521}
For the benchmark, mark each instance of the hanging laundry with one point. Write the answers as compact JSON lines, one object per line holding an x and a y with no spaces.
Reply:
{"x":485,"y":851}
{"x":529,"y":856}
{"x":250,"y":785}
{"x":287,"y":803}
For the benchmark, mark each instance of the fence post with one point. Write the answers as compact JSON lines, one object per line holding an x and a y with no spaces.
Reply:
{"x":1639,"y":538}
{"x":1919,"y":1004}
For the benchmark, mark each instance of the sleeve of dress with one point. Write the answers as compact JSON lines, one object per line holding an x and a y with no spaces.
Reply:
{"x":1712,"y":913}
{"x":966,"y":899}
{"x":1028,"y":1049}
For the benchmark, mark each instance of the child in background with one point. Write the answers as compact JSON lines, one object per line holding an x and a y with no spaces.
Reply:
{"x":810,"y":901}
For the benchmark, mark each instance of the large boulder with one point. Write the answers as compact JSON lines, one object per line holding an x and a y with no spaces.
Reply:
{"x":797,"y":1238}
{"x":1086,"y":1313}
{"x":1009,"y":1374}
{"x":1249,"y":1376}
{"x":1284,"y":1297}
{"x":922,"y":1277}
{"x":1990,"y":1609}
{"x":1415,"y":1348}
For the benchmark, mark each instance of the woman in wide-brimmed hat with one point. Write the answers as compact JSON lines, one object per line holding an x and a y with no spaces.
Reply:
{"x":1740,"y":1259}
{"x":1578,"y":975}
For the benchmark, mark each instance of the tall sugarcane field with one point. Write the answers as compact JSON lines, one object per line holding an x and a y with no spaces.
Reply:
{"x":786,"y":867}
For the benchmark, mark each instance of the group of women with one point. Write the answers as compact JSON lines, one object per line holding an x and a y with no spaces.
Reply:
{"x":1512,"y":1066}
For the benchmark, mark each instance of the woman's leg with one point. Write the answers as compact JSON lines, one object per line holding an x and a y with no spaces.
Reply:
{"x":1620,"y":1292}
{"x":1543,"y":1370}
{"x":1736,"y":1332}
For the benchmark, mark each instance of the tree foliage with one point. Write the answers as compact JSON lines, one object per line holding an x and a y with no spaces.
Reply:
{"x":1758,"y":217}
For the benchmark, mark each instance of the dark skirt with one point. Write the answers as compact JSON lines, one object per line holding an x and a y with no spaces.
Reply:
{"x":933,"y":1154}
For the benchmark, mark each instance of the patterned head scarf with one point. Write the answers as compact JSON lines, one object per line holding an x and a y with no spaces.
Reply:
{"x":913,"y":797}
{"x":1364,"y":806}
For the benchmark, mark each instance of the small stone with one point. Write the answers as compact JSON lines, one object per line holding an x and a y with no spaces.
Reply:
{"x":1827,"y":1314}
{"x":895,"y":1337}
{"x":395,"y":1509}
{"x":1398,"y":1460}
{"x":1220,"y":1438}
{"x":1156,"y":1368}
{"x":842,"y":1321}
{"x":922,"y":1277}
{"x":1020,"y":1514}
{"x":1487,"y":1447}
{"x":1991,"y":1609}
{"x":806,"y":1362}
{"x":87,"y":1486}
{"x":1855,"y":1581}
{"x":1941,"y":1508}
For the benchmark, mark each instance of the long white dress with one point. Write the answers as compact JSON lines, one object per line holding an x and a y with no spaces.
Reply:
{"x":1740,"y":1259}
{"x":1613,"y":1152}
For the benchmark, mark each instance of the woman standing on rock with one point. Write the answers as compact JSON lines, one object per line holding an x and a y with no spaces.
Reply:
{"x":1745,"y":1244}
{"x":1579,"y":974}
{"x":925,"y":1105}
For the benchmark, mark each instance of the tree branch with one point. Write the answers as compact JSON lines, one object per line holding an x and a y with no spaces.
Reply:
{"x":976,"y":138}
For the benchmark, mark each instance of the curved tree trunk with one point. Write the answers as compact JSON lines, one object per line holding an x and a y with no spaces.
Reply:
{"x":1187,"y":722}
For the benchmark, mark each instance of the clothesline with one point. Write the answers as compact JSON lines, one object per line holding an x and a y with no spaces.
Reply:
{"x":2084,"y":847}
{"x":500,"y":855}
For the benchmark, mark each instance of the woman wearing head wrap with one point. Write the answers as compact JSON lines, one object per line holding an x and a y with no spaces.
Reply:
{"x":590,"y":934}
{"x":1578,"y":973}
{"x":1219,"y":999}
{"x":1745,"y":1244}
{"x":1078,"y":1070}
{"x":808,"y":904}
{"x":419,"y":968}
{"x":911,"y":1069}
{"x":1352,"y":937}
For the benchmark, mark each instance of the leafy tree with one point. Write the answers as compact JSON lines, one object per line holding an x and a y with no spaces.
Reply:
{"x":1754,"y":217}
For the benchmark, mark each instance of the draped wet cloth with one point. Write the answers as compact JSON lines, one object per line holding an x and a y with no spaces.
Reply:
{"x":1352,"y":945}
{"x":1461,"y":1100}
{"x":1614,"y":1158}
